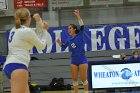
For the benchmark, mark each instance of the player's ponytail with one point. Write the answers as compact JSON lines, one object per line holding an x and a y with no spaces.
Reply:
{"x":77,"y":31}
{"x":17,"y":23}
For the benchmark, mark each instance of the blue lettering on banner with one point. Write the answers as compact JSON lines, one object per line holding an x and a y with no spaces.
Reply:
{"x":107,"y":37}
{"x":112,"y":74}
{"x":137,"y":73}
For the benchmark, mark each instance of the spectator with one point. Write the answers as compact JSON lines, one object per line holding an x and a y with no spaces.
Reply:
{"x":2,"y":60}
{"x":135,"y":55}
{"x":123,"y":56}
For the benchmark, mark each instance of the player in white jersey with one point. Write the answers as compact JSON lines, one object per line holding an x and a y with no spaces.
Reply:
{"x":21,"y":39}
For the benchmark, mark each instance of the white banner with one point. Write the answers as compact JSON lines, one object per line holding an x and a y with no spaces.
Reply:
{"x":66,"y":3}
{"x":3,"y":5}
{"x":105,"y":2}
{"x":115,"y":75}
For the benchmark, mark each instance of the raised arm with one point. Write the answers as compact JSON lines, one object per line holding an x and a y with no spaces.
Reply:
{"x":77,"y":14}
{"x":39,"y":24}
{"x":39,"y":43}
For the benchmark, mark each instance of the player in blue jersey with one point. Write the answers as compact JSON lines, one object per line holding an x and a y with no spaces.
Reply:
{"x":21,"y":39}
{"x":79,"y":61}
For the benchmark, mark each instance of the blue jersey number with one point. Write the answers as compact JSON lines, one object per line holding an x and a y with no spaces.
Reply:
{"x":11,"y":37}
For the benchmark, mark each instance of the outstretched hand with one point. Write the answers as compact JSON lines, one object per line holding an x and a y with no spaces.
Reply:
{"x":45,"y":25}
{"x":77,"y":12}
{"x":37,"y":17}
{"x":59,"y":42}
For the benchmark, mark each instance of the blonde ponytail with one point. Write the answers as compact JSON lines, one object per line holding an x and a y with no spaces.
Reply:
{"x":17,"y":23}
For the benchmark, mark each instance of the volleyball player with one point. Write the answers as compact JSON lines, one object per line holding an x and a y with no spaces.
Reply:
{"x":21,"y":39}
{"x":79,"y":61}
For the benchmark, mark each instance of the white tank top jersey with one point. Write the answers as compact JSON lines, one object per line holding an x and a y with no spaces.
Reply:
{"x":21,"y":42}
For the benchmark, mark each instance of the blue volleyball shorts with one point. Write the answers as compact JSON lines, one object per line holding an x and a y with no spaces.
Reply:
{"x":79,"y":60}
{"x":9,"y":68}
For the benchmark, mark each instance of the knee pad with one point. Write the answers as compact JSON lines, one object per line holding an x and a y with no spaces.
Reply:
{"x":85,"y":82}
{"x":75,"y":83}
